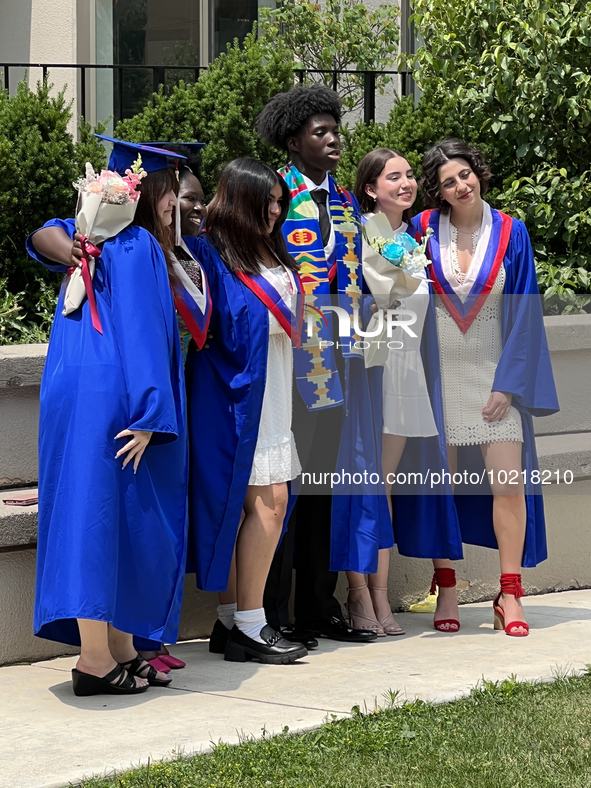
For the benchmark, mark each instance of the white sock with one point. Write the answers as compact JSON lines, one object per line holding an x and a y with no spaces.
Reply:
{"x":226,"y":614}
{"x":251,"y":622}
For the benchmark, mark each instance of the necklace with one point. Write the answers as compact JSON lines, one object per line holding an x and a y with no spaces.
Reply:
{"x":457,"y":271}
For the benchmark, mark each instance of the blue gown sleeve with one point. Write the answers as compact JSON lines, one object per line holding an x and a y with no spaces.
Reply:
{"x":144,"y":326}
{"x":524,"y":369}
{"x":68,"y":226}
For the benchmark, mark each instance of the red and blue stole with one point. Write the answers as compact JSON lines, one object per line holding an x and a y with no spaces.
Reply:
{"x":192,"y":305}
{"x":464,"y":312}
{"x":271,"y":298}
{"x":315,"y":365}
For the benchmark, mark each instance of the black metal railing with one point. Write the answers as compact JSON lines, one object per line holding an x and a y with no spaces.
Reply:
{"x":159,"y":77}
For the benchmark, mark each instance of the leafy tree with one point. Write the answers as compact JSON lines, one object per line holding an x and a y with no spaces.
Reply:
{"x":518,"y":74}
{"x":220,"y":108}
{"x":519,"y":69}
{"x":38,"y":162}
{"x":337,"y":35}
{"x":410,"y":130}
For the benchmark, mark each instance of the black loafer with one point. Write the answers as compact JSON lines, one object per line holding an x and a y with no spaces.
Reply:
{"x":336,"y":628}
{"x":218,"y":638}
{"x":294,"y":635}
{"x":275,"y":650}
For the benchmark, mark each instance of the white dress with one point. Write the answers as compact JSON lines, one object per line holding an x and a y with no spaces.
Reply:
{"x":275,"y":457}
{"x":468,"y":362}
{"x":406,"y":408}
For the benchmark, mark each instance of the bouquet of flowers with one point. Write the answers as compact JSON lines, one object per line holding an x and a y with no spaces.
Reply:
{"x":106,"y":205}
{"x":391,"y":262}
{"x":390,"y":267}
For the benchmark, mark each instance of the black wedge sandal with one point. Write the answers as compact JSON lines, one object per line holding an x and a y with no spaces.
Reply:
{"x":117,"y":682}
{"x":143,"y":670}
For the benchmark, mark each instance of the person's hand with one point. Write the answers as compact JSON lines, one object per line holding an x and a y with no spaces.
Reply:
{"x":497,"y":407}
{"x":373,"y":307}
{"x":134,"y":448}
{"x":76,"y":254}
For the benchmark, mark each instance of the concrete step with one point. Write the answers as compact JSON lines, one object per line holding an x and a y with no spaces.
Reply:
{"x":18,"y":524}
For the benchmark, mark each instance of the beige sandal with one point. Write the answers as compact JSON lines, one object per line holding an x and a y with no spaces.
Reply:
{"x":357,"y":618}
{"x":389,"y":624}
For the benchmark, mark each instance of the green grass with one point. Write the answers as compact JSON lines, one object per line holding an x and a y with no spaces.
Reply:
{"x":504,"y":735}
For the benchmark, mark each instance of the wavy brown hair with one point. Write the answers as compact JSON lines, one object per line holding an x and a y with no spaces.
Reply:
{"x":369,"y":170}
{"x":439,"y":155}
{"x":236,"y":221}
{"x":153,"y":188}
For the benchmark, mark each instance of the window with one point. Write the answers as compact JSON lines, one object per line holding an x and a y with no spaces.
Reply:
{"x":152,"y":32}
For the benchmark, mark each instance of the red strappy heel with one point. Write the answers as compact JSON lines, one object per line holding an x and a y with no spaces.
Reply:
{"x":510,"y":584}
{"x":444,"y":578}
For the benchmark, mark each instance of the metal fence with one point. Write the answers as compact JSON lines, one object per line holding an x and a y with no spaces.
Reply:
{"x":170,"y":75}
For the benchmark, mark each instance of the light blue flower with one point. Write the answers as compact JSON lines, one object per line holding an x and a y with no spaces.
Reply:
{"x":394,"y":252}
{"x":407,"y":241}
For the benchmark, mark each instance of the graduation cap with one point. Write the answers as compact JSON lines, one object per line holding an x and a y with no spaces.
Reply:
{"x":183,"y":148}
{"x":190,"y":150}
{"x":124,"y":154}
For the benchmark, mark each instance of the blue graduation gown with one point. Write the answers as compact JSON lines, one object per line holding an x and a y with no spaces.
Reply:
{"x":434,"y":525}
{"x":225,"y":386}
{"x":112,"y":544}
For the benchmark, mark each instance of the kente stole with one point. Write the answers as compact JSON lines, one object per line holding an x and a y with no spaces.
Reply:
{"x":315,"y":367}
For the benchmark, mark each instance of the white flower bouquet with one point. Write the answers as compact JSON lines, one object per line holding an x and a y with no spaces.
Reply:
{"x":391,"y":262}
{"x":106,"y":205}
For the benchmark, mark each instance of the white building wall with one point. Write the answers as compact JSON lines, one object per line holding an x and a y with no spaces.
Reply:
{"x":40,"y":31}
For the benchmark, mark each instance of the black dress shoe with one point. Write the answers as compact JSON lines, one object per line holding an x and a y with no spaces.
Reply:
{"x":218,"y":638}
{"x":275,"y":650}
{"x":294,"y":635}
{"x":337,"y":629}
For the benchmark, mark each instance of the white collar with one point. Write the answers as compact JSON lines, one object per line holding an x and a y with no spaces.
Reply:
{"x":310,"y":185}
{"x":200,"y":297}
{"x":464,"y":288}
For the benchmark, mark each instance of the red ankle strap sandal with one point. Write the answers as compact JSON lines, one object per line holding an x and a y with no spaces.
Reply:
{"x":444,"y":578}
{"x":511,"y":585}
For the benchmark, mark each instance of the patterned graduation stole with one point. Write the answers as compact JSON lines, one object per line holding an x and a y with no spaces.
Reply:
{"x":464,"y":312}
{"x":315,"y":367}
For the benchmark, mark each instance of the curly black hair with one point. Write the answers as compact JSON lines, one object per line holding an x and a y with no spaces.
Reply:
{"x":286,"y":114}
{"x":441,"y":153}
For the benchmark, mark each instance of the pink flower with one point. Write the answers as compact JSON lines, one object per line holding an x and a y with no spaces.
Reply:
{"x":94,"y":187}
{"x":119,"y":186}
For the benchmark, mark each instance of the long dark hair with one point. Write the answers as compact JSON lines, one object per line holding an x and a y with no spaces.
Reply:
{"x":439,"y":155}
{"x":369,"y":170}
{"x":153,"y":188}
{"x":236,"y":221}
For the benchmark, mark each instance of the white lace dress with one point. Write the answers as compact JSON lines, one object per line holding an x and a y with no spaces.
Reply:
{"x":468,"y":362}
{"x":276,"y":458}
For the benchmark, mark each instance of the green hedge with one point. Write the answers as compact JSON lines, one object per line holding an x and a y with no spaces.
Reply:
{"x":38,"y":162}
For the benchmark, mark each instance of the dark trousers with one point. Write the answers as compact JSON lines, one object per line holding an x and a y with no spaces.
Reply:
{"x":306,"y":545}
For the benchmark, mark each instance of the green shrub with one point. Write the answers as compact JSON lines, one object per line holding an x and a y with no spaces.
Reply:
{"x":557,"y":211}
{"x":219,"y":109}
{"x":410,"y":130}
{"x":38,"y":162}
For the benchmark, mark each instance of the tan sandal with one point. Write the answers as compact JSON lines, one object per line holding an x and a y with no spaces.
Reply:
{"x":389,"y":624}
{"x":358,"y":620}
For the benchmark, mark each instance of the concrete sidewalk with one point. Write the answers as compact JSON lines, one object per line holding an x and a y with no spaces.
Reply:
{"x":48,"y":737}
